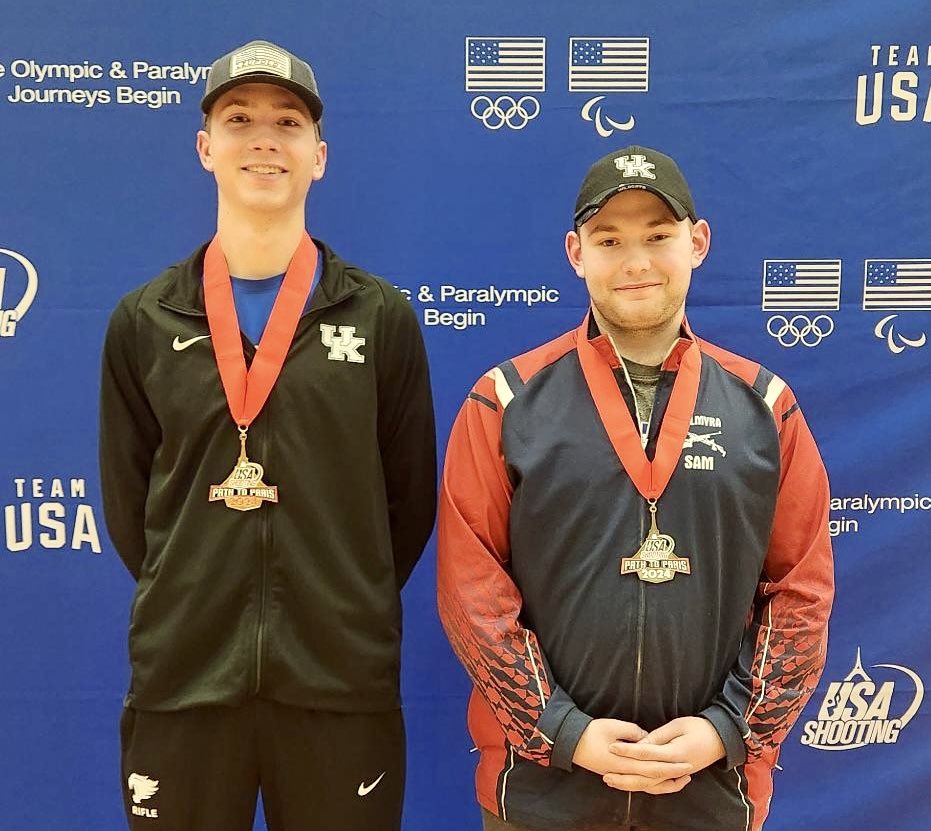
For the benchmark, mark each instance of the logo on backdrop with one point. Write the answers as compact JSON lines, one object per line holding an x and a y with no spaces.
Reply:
{"x":19,"y":282}
{"x":140,"y":788}
{"x":56,"y":506}
{"x":897,"y":286}
{"x":806,"y":290}
{"x":897,"y":85}
{"x":896,"y":341}
{"x":508,"y":73}
{"x":860,"y":711}
{"x":512,"y":65}
{"x":605,"y":66}
{"x":801,"y":287}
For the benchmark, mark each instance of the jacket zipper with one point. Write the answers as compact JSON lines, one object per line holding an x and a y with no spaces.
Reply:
{"x":265,"y":542}
{"x":638,"y":681}
{"x":641,"y":597}
{"x":263,"y":563}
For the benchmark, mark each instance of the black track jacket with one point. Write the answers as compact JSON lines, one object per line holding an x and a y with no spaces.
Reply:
{"x":297,"y":602}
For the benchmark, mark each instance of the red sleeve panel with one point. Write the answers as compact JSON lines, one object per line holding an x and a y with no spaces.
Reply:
{"x":784,"y":648}
{"x":797,"y":585}
{"x":479,"y":604}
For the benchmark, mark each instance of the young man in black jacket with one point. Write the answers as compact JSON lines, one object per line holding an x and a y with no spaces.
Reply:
{"x":265,"y":629}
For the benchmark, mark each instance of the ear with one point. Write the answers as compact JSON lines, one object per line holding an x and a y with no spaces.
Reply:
{"x":203,"y":150}
{"x":320,"y":161}
{"x":701,"y":242}
{"x":574,"y":253}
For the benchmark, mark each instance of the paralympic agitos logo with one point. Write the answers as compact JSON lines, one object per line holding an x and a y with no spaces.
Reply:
{"x":859,"y":711}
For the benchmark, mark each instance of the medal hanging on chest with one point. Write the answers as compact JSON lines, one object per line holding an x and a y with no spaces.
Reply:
{"x":243,"y":489}
{"x":247,"y":391}
{"x":655,"y":561}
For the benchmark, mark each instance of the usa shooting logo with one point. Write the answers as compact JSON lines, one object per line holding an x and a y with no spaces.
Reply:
{"x":858,"y":711}
{"x":512,"y":65}
{"x":18,"y":279}
{"x":608,"y":65}
{"x":799,"y":287}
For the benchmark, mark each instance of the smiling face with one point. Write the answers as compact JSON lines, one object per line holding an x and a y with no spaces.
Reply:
{"x":636,"y":259}
{"x":263,"y":148}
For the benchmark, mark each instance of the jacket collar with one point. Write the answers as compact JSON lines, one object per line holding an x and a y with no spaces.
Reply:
{"x":184,"y":292}
{"x":590,"y":331}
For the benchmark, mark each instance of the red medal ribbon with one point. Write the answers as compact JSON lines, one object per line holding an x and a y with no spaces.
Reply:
{"x":247,"y":392}
{"x":650,"y":478}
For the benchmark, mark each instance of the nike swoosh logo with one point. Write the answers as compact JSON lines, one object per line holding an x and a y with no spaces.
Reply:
{"x":180,"y":345}
{"x":365,"y":790}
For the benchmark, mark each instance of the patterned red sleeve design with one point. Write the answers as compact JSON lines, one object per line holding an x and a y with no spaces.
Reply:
{"x":796,"y":590}
{"x":479,"y":603}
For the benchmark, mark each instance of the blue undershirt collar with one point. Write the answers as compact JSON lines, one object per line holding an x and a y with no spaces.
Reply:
{"x":254,"y":300}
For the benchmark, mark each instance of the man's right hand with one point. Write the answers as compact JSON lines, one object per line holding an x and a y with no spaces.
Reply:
{"x":652,"y":777}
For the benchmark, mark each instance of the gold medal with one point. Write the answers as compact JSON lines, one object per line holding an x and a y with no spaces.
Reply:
{"x":655,"y":560}
{"x":248,"y":390}
{"x":244,"y":489}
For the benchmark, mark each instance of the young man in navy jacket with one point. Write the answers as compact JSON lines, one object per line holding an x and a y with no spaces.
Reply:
{"x":634,"y":560}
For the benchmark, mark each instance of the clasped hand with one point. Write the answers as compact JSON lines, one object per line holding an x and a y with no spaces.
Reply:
{"x":630,"y":759}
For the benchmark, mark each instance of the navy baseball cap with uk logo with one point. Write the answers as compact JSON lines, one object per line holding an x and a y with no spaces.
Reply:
{"x":263,"y":62}
{"x":634,"y":167}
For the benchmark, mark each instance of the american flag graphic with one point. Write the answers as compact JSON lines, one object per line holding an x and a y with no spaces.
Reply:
{"x":609,"y":64}
{"x":268,"y":58}
{"x":801,"y":285}
{"x":506,"y":64}
{"x":901,"y":285}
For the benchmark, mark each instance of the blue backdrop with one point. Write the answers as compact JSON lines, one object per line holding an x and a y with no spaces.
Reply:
{"x":803,"y":130}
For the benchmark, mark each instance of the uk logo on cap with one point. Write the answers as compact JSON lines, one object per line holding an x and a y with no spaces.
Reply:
{"x":635,"y":165}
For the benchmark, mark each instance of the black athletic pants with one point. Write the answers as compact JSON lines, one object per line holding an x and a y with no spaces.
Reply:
{"x":201,"y":769}
{"x":491,"y":823}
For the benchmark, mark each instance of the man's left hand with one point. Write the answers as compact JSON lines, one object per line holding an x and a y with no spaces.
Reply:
{"x":691,"y":739}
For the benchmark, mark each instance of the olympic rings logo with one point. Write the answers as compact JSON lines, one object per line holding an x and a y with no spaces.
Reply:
{"x":800,"y":329}
{"x":505,"y":110}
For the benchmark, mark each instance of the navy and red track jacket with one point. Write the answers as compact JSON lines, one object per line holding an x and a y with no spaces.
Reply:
{"x":536,"y":512}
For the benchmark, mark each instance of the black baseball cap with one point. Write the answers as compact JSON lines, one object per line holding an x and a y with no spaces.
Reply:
{"x":638,"y":168}
{"x":263,"y":62}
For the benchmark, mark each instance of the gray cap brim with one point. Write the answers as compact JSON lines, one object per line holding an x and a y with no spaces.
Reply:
{"x":314,"y":104}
